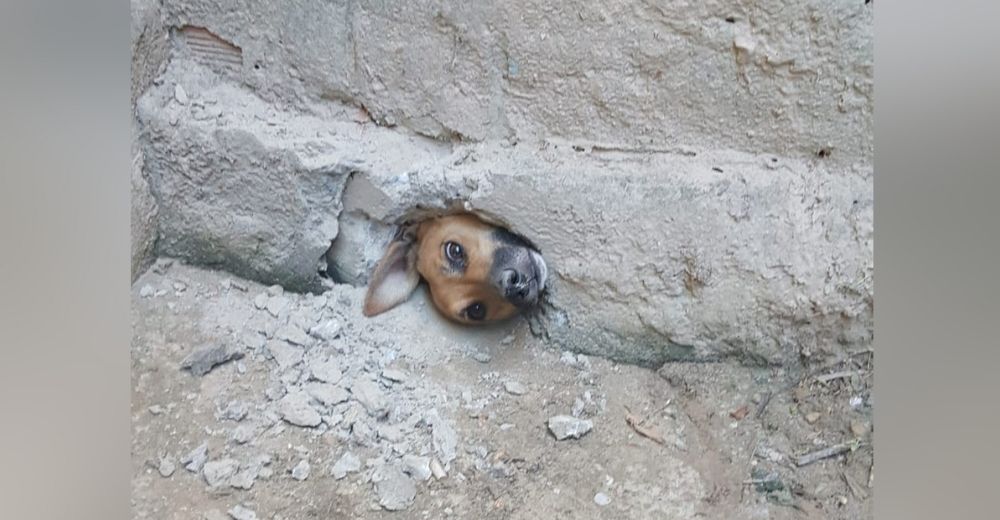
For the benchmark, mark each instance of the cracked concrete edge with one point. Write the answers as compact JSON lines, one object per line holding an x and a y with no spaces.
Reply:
{"x":657,"y":255}
{"x":150,"y":50}
{"x":790,"y":78}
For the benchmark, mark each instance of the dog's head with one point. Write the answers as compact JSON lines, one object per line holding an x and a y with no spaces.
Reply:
{"x":476,"y":272}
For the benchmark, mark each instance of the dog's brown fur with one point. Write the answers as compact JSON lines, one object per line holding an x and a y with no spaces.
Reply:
{"x":418,"y":251}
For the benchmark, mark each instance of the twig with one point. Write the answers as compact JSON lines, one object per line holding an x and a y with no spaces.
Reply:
{"x":825,"y":453}
{"x":826,"y":378}
{"x":636,"y":425}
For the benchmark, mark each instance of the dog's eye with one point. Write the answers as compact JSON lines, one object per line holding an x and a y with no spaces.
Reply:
{"x":454,"y":252}
{"x":476,"y":312}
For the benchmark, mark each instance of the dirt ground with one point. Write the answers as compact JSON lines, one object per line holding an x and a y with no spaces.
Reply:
{"x":314,"y":411}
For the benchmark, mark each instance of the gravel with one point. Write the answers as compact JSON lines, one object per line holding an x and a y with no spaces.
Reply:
{"x":348,"y":463}
{"x":566,"y":427}
{"x":370,"y":396}
{"x":218,"y":472}
{"x":515,"y":388}
{"x":242,"y":513}
{"x":301,"y":470}
{"x":602,"y":499}
{"x":203,"y":359}
{"x":194,"y":461}
{"x":294,"y":408}
{"x":166,"y":467}
{"x":327,"y":371}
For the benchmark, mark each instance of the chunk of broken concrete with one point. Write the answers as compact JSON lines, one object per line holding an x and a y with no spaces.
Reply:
{"x":204,"y":358}
{"x":567,"y":426}
{"x":394,"y":489}
{"x":348,"y":463}
{"x":218,"y":472}
{"x":294,"y":408}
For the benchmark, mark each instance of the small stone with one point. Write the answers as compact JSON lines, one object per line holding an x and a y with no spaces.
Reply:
{"x":275,"y":392}
{"x":515,"y":388}
{"x":244,"y":433}
{"x":812,"y":417}
{"x":437,"y":470}
{"x":275,"y":290}
{"x":205,"y":358}
{"x":194,"y":461}
{"x":180,"y":286}
{"x":417,"y":467}
{"x":301,"y":470}
{"x":565,"y":427}
{"x":506,"y":426}
{"x":242,"y":513}
{"x":601,"y":499}
{"x":348,"y":463}
{"x":326,"y":371}
{"x":578,"y":407}
{"x":180,"y":95}
{"x":156,"y":409}
{"x":244,"y":478}
{"x":218,"y":472}
{"x":370,"y":396}
{"x":394,"y":489}
{"x":166,"y":467}
{"x":239,"y":285}
{"x":277,"y":304}
{"x":235,"y":411}
{"x":443,"y":436}
{"x":329,"y":395}
{"x":325,"y":331}
{"x":482,"y":357}
{"x":260,"y":301}
{"x":146,"y":291}
{"x":397,"y":376}
{"x":857,"y":402}
{"x":285,"y":355}
{"x":293,"y":335}
{"x":295,"y":409}
{"x":859,"y":428}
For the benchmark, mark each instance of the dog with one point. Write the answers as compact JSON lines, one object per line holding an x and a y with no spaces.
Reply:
{"x":477,"y":273}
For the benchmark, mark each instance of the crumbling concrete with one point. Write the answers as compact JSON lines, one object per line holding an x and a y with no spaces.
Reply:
{"x":707,"y":196}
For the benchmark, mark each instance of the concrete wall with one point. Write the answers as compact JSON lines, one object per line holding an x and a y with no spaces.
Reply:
{"x":698,"y":174}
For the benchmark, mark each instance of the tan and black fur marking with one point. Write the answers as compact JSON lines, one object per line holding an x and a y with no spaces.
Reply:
{"x":476,"y":272}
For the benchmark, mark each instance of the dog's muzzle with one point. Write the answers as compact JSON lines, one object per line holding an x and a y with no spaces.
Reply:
{"x":523,"y":278}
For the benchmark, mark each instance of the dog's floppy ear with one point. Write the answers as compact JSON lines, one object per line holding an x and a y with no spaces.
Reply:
{"x":395,"y":277}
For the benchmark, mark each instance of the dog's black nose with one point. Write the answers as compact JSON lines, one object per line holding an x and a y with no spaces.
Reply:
{"x":516,"y":286}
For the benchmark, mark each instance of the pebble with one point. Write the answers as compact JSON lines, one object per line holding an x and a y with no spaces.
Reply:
{"x":275,"y":290}
{"x":146,"y":291}
{"x":293,"y":335}
{"x":348,"y":463}
{"x":244,"y":433}
{"x":859,"y":428}
{"x":370,"y":396}
{"x":194,"y":461}
{"x":277,"y":304}
{"x":481,"y":357}
{"x":294,"y":408}
{"x":301,"y":470}
{"x":156,"y":409}
{"x":166,"y":467}
{"x":326,"y":371}
{"x":397,"y":376}
{"x":417,"y":467}
{"x":437,"y":470}
{"x":207,"y":357}
{"x":180,"y":95}
{"x":327,"y":394}
{"x":245,"y":478}
{"x":325,"y":331}
{"x":242,"y":513}
{"x":284,"y":354}
{"x":601,"y":499}
{"x":260,"y":301}
{"x":394,"y":489}
{"x":218,"y":472}
{"x":443,"y":436}
{"x":812,"y":417}
{"x":565,"y":427}
{"x":515,"y":388}
{"x":235,"y":411}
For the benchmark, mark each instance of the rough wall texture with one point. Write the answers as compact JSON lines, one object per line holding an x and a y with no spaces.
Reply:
{"x":698,"y":175}
{"x":150,"y":48}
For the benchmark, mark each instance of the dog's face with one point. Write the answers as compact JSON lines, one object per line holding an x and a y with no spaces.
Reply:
{"x":476,"y":272}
